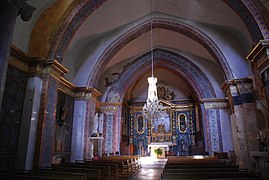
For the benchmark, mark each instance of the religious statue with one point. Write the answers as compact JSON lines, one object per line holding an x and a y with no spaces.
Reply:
{"x":161,"y":128}
{"x":262,"y":142}
{"x":62,"y":116}
{"x":95,"y":131}
{"x":61,"y":131}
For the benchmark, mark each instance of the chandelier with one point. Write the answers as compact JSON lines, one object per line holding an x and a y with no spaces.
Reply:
{"x":152,"y":109}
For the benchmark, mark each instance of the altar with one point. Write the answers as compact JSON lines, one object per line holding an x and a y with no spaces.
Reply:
{"x":164,"y":146}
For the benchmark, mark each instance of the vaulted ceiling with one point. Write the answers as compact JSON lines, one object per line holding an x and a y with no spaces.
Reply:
{"x":97,"y":39}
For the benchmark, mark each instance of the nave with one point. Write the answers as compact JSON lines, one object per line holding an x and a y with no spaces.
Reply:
{"x":138,"y":168}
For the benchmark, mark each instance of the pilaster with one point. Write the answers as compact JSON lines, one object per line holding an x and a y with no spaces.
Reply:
{"x":50,"y":72}
{"x":259,"y":58}
{"x":111,"y":119}
{"x":83,"y":122}
{"x":217,"y":128}
{"x":243,"y":118}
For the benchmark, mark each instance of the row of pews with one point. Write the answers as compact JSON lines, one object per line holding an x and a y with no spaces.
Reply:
{"x":208,"y":168}
{"x":106,"y":168}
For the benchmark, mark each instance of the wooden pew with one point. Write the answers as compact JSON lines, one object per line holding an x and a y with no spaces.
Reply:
{"x":210,"y":168}
{"x":211,"y":175}
{"x":47,"y":174}
{"x":200,"y":170}
{"x":127,"y":165}
{"x":119,"y":169}
{"x":92,"y":174}
{"x":105,"y":169}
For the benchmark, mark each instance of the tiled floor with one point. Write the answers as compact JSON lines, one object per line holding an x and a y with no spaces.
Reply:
{"x":151,"y":169}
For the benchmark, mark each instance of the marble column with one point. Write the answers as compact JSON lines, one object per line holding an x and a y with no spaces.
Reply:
{"x":111,"y":114}
{"x":9,"y":10}
{"x":50,"y":71}
{"x":83,"y":123}
{"x":243,"y":119}
{"x":27,"y":137}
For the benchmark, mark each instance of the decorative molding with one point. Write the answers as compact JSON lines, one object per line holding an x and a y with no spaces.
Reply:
{"x":35,"y":66}
{"x":86,"y":93}
{"x":75,"y":19}
{"x":179,"y":27}
{"x":182,"y":65}
{"x":215,"y":103}
{"x":40,"y":66}
{"x":243,"y":9}
{"x":165,"y":93}
{"x":235,"y":82}
{"x":260,"y":55}
{"x":19,"y":59}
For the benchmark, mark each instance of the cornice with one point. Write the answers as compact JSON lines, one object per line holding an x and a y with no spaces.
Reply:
{"x":226,"y":84}
{"x":260,"y":55}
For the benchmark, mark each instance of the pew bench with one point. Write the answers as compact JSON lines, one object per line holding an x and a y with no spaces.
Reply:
{"x":200,"y":170}
{"x":47,"y":174}
{"x":92,"y":174}
{"x":210,"y":175}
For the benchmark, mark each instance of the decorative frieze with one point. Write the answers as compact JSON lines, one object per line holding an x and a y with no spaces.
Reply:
{"x":215,"y":103}
{"x":109,"y":107}
{"x":239,"y":91}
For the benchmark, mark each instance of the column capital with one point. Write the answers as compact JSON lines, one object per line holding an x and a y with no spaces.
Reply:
{"x":40,"y":66}
{"x":86,"y":93}
{"x":110,"y":107}
{"x":238,"y":86}
{"x":25,"y":10}
{"x":239,"y":91}
{"x":215,"y":103}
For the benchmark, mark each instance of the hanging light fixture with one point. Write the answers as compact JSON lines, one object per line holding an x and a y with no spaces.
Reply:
{"x":152,"y":109}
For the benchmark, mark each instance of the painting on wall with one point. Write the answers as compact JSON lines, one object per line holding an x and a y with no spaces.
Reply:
{"x":182,"y":123}
{"x":140,"y":124}
{"x":162,"y":125}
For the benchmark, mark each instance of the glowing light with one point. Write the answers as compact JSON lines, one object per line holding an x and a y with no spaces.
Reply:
{"x":198,"y":157}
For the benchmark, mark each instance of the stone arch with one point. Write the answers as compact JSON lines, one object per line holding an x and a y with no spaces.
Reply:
{"x":170,"y":60}
{"x":254,"y":22}
{"x":179,"y":27}
{"x":187,"y":69}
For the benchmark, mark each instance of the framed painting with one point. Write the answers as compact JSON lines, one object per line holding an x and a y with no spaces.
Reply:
{"x":182,"y":122}
{"x":140,"y":124}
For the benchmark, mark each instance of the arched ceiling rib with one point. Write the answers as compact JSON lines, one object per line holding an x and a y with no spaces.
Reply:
{"x":212,"y":12}
{"x":69,"y":29}
{"x":178,"y":63}
{"x":188,"y":31}
{"x":216,"y":15}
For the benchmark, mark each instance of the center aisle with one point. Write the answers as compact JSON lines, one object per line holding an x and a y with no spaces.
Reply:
{"x":151,"y":169}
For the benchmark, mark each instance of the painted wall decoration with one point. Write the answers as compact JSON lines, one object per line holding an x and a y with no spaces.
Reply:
{"x":176,"y":128}
{"x":182,"y":123}
{"x":162,"y":125}
{"x":140,"y":124}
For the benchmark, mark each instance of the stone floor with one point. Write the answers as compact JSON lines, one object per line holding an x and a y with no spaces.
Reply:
{"x":151,"y":169}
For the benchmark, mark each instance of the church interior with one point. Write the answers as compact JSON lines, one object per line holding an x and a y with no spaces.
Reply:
{"x":75,"y":81}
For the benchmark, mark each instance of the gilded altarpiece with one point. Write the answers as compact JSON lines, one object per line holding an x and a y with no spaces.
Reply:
{"x":175,"y":130}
